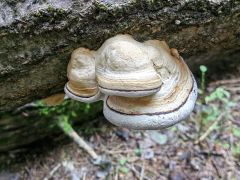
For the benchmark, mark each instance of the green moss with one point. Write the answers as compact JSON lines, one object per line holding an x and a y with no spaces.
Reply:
{"x":101,"y":6}
{"x":49,"y":13}
{"x":71,"y":110}
{"x":50,"y":9}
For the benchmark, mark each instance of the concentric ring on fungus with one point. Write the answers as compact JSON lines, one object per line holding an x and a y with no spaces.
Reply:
{"x":143,"y":85}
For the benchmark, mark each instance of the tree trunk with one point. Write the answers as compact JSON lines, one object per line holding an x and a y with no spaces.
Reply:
{"x":38,"y":36}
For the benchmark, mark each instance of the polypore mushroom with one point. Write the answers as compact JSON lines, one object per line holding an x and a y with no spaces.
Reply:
{"x":82,"y":85}
{"x":146,"y":85}
{"x":172,"y":103}
{"x":123,"y":68}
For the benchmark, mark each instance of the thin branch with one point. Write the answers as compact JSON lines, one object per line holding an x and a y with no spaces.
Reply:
{"x":76,"y":138}
{"x":142,"y":171}
{"x":83,"y":144}
{"x":210,"y":129}
{"x":224,"y":82}
{"x":54,"y":170}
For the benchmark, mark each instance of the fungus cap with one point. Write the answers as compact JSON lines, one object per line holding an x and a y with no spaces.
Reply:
{"x":82,"y":84}
{"x":123,"y":68}
{"x":173,"y":103}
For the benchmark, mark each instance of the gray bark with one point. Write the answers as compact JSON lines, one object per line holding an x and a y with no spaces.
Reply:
{"x":38,"y":36}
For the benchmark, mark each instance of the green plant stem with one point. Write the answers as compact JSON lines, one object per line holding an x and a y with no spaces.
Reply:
{"x":200,"y":124}
{"x":203,"y":88}
{"x":202,"y":100}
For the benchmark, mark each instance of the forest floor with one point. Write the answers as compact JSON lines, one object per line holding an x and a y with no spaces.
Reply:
{"x":206,"y":146}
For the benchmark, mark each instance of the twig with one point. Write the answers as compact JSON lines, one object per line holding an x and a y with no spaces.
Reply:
{"x":120,"y":151}
{"x":136,"y":172}
{"x":234,"y":89}
{"x":151,"y":170}
{"x":234,"y":121}
{"x":186,"y":174}
{"x":84,"y":176}
{"x":216,"y":168}
{"x":210,"y":129}
{"x":83,"y":144}
{"x":76,"y":138}
{"x":26,"y":106}
{"x":212,"y":153}
{"x":52,"y":172}
{"x":228,"y":81}
{"x":142,"y":172}
{"x":116,"y":175}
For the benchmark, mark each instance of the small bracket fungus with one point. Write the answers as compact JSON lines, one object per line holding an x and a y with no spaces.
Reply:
{"x":82,"y":85}
{"x":143,"y":85}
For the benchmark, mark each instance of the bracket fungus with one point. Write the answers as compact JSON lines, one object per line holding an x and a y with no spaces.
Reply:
{"x":82,"y":85}
{"x":143,"y":85}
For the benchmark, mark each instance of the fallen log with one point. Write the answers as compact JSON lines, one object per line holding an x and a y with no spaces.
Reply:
{"x":37,"y":37}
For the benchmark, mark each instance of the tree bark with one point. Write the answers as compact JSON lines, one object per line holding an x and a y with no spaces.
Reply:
{"x":38,"y":36}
